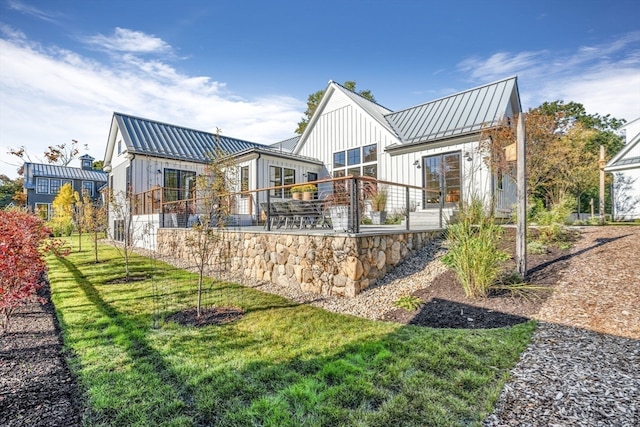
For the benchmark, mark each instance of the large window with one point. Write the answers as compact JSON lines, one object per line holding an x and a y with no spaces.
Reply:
{"x":279,"y":176}
{"x":178,"y":184}
{"x":442,"y":176}
{"x":42,"y":185}
{"x":356,"y":161}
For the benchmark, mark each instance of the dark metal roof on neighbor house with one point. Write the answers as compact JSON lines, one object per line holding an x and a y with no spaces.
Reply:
{"x":41,"y":170}
{"x":143,"y":136}
{"x":456,"y":115}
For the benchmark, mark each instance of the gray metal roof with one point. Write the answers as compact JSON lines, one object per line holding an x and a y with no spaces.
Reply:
{"x":42,"y":170}
{"x":374,"y":109}
{"x":287,"y":145}
{"x":143,"y":136}
{"x":456,"y":115}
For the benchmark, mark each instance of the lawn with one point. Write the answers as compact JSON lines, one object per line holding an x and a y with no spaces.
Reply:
{"x":281,"y":364}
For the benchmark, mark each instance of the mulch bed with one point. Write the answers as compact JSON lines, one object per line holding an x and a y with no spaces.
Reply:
{"x":446,"y":306}
{"x":208,"y":316}
{"x":36,"y":386}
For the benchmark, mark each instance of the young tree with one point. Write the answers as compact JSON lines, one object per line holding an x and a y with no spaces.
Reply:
{"x":213,"y":195}
{"x":315,"y":98}
{"x":126,"y":233}
{"x":94,"y":220}
{"x":22,"y":265}
{"x":63,"y":210}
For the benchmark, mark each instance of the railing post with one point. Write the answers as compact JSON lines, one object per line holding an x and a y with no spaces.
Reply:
{"x":354,"y":208}
{"x":407,"y":207}
{"x":268,"y":210}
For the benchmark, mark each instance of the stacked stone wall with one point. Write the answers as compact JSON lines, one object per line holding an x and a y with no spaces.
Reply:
{"x":323,"y":264}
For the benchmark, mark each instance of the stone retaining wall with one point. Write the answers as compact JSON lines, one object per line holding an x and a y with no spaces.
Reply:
{"x":322,"y":264}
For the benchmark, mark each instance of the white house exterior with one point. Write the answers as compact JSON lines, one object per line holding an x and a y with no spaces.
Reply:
{"x":625,"y":167}
{"x":432,"y":145}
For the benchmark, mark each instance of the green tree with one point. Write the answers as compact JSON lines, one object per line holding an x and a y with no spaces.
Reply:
{"x":11,"y":191}
{"x":63,"y":208}
{"x":314,"y":100}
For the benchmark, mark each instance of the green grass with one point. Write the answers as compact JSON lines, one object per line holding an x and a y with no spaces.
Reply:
{"x":282,"y":364}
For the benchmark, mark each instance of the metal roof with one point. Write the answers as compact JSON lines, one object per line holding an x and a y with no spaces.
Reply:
{"x":143,"y":136}
{"x":455,"y":115}
{"x":42,"y":170}
{"x":287,"y":145}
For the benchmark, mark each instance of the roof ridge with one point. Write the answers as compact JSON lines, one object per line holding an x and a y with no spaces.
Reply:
{"x":454,"y":94}
{"x":185,"y":128}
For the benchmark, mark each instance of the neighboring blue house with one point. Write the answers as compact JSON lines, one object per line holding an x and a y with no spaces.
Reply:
{"x":42,"y":182}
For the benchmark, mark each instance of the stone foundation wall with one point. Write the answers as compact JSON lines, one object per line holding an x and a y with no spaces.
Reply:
{"x":326,"y":265}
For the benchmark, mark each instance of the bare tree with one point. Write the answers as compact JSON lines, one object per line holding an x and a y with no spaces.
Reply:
{"x":125,"y":232}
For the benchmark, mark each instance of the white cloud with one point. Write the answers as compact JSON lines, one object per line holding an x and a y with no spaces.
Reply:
{"x":51,"y":95}
{"x":125,"y":40}
{"x":30,"y":10}
{"x":604,"y":77}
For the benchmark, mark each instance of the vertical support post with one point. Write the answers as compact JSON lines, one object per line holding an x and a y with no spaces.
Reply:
{"x":601,"y":204}
{"x":407,"y":207}
{"x":354,"y":209}
{"x":268,"y":210}
{"x":521,"y":226}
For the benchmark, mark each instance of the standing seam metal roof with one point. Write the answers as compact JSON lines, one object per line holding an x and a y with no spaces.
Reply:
{"x":143,"y":136}
{"x":458,"y":114}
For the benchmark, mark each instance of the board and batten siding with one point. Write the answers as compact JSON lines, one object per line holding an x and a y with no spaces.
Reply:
{"x":342,"y":126}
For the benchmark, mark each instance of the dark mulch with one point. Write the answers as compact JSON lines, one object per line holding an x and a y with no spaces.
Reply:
{"x":36,"y":386}
{"x":208,"y":316}
{"x":446,"y":306}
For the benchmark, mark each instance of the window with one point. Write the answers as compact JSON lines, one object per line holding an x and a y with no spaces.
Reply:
{"x":86,"y":164}
{"x":281,"y":176}
{"x":356,"y":161}
{"x":370,"y":153}
{"x":42,"y":185}
{"x":442,"y":177}
{"x":54,"y":186}
{"x":179,"y":184}
{"x":244,"y":180}
{"x":88,"y":187}
{"x":119,"y":147}
{"x":312,"y":176}
{"x":353,"y":156}
{"x":42,"y":210}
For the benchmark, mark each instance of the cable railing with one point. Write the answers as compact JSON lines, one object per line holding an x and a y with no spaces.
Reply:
{"x":343,"y":204}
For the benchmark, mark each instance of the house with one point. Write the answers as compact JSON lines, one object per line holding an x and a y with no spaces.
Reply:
{"x":432,"y":145}
{"x":143,"y":154}
{"x":42,"y":182}
{"x":625,"y":167}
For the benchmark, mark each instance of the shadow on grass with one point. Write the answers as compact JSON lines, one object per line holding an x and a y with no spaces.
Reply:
{"x":144,"y":358}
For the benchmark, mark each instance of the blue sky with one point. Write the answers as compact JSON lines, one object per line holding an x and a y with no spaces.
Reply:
{"x":247,"y":67}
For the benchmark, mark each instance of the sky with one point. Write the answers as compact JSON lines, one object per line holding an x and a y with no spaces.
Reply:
{"x":247,"y":67}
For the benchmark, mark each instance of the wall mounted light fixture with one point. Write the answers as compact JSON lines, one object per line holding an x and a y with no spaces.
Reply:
{"x":417,"y":164}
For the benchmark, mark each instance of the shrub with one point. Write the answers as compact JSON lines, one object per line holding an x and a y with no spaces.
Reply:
{"x":473,"y":252}
{"x":408,"y":302}
{"x":536,"y":248}
{"x":551,"y":222}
